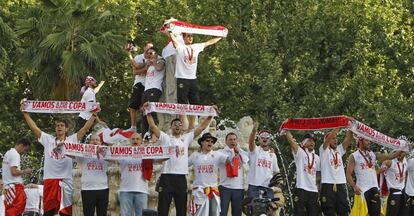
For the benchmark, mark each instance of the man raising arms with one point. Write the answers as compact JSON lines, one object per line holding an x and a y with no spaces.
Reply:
{"x":333,"y":189}
{"x":186,"y":70}
{"x":57,"y":167}
{"x":173,"y":182}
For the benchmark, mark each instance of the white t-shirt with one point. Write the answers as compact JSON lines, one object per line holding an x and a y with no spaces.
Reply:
{"x":233,"y":182}
{"x":93,"y":174}
{"x":366,"y":176}
{"x":57,"y":165}
{"x":307,"y":164}
{"x":409,"y":188}
{"x":206,"y":168}
{"x":88,"y":96}
{"x":132,"y":179}
{"x":2,"y":208}
{"x":178,"y":163}
{"x":395,"y":174}
{"x":34,"y":198}
{"x":140,"y":59}
{"x":187,"y":59}
{"x":332,"y":167}
{"x":262,"y":165}
{"x":154,"y":77}
{"x":11,"y":159}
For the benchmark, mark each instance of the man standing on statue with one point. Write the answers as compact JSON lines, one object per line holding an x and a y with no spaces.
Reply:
{"x":139,"y":69}
{"x":186,"y":70}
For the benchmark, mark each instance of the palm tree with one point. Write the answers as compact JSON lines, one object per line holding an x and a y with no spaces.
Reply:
{"x":65,"y":40}
{"x":8,"y":39}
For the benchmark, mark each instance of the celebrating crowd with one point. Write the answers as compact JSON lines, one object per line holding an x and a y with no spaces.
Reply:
{"x":219,"y":175}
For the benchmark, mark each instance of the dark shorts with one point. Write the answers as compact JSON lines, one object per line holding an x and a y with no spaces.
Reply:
{"x":187,"y":91}
{"x":136,"y":96}
{"x":151,"y":95}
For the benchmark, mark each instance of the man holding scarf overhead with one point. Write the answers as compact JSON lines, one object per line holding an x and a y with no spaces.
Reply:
{"x":186,"y":70}
{"x":307,"y":164}
{"x":334,"y":200}
{"x":58,"y":182}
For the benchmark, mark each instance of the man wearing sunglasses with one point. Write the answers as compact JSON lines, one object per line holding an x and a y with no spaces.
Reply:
{"x":262,"y":164}
{"x":172,"y":182}
{"x":186,"y":70}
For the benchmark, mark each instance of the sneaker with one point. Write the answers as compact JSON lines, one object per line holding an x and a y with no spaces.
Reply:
{"x":147,"y":136}
{"x":132,"y":129}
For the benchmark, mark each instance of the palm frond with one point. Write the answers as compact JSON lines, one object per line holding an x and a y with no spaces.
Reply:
{"x":54,"y":41}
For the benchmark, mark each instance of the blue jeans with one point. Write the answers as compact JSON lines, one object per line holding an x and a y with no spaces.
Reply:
{"x":235,"y":196}
{"x":132,"y":202}
{"x":254,"y":192}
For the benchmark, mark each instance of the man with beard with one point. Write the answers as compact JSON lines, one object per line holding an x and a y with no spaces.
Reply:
{"x":362,"y":162}
{"x":333,"y":189}
{"x":231,"y":183}
{"x":262,"y":164}
{"x":307,"y":164}
{"x":172,"y":182}
{"x":394,"y":172}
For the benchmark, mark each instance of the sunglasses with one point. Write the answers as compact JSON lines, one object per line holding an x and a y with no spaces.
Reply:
{"x":178,"y":124}
{"x":209,"y":140}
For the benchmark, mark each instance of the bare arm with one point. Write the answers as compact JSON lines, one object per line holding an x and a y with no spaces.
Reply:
{"x":202,"y":126}
{"x":382,"y":157}
{"x":153,"y":127}
{"x":81,"y":133}
{"x":32,"y":125}
{"x":159,"y":65}
{"x":98,"y":88}
{"x":347,"y":140}
{"x":349,"y":171}
{"x":212,"y":41}
{"x":205,"y":123}
{"x":330,"y":135}
{"x":293,"y":145}
{"x":16,"y":172}
{"x":174,"y":40}
{"x":252,"y":137}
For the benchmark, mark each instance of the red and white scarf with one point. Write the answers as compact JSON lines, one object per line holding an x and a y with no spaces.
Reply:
{"x":180,"y":109}
{"x":356,"y":127}
{"x":118,"y":152}
{"x":177,"y":26}
{"x":9,"y":193}
{"x":58,"y":106}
